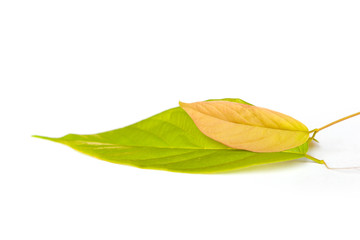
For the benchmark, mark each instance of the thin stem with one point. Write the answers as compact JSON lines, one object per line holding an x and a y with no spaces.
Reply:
{"x":337,"y":121}
{"x":323,"y":162}
{"x":315,"y":159}
{"x":316,"y":130}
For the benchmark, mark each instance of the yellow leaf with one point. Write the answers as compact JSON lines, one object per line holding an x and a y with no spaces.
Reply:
{"x":247,"y":127}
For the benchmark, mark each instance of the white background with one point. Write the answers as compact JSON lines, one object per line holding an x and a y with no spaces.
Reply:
{"x":91,"y":66}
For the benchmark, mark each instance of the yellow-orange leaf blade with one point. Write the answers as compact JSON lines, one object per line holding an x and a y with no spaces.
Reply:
{"x":247,"y":127}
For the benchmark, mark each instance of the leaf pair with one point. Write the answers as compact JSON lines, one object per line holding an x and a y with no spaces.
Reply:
{"x":212,"y":136}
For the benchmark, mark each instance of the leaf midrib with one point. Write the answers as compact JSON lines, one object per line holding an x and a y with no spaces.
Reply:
{"x":70,"y":143}
{"x":278,"y":129}
{"x":132,"y":146}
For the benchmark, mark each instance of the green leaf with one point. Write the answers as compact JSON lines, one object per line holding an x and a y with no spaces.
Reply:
{"x":170,"y":141}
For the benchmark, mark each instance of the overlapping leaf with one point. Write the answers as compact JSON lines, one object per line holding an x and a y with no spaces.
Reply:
{"x":171,"y":141}
{"x":247,"y":127}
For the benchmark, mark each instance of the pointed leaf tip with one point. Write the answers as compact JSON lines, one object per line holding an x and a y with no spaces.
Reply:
{"x":38,"y":136}
{"x":43,"y":137}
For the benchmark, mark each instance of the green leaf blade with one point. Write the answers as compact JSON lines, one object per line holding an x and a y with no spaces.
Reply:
{"x":170,"y":141}
{"x":184,"y":160}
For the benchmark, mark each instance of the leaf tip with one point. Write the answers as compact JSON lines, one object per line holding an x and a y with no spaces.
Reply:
{"x":182,"y":104}
{"x":43,"y":137}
